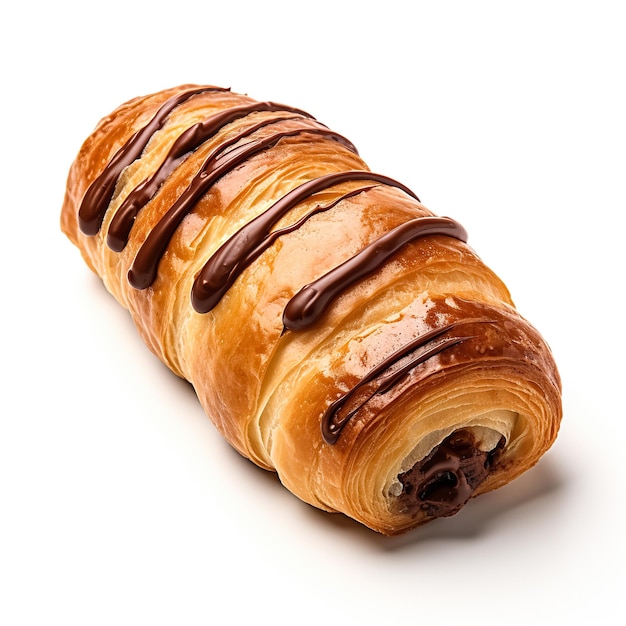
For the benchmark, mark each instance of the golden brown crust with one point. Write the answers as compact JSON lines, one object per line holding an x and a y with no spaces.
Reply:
{"x":266,"y":389}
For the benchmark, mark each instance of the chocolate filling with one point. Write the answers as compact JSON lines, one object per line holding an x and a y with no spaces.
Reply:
{"x":445,"y":480}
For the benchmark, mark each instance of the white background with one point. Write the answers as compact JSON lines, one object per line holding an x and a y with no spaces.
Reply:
{"x":120,"y":504}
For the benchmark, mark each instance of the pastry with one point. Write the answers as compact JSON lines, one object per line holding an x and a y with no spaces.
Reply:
{"x":335,"y":330}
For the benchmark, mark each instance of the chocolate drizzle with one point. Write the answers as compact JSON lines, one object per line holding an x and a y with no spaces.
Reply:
{"x":144,"y":268}
{"x":417,"y":350}
{"x":310,"y":303}
{"x":99,"y":194}
{"x":189,"y":140}
{"x":222,"y":269}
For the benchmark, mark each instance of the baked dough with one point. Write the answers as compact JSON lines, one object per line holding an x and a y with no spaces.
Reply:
{"x":335,"y":330}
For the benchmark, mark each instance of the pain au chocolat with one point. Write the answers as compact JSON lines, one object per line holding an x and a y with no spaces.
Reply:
{"x":335,"y":330}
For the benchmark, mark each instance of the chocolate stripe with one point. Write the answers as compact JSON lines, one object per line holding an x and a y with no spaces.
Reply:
{"x":144,"y":268}
{"x":185,"y":144}
{"x":331,"y":427}
{"x":310,"y":303}
{"x":98,"y":196}
{"x":223,"y":268}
